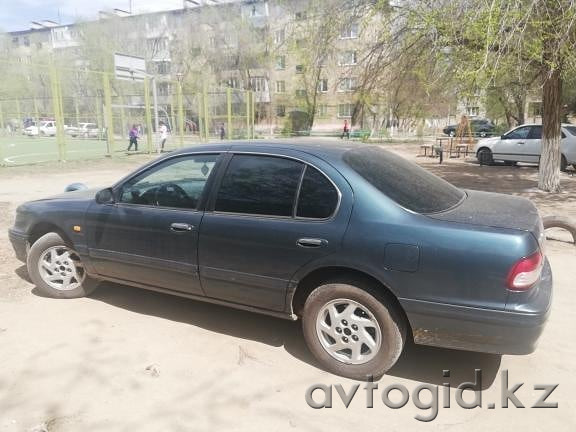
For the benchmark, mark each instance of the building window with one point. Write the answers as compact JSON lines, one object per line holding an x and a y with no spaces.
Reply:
{"x":300,"y":15}
{"x":280,"y":110}
{"x":472,"y":110}
{"x":347,"y":84}
{"x":345,"y":110}
{"x":15,"y":40}
{"x":280,"y":62}
{"x":163,"y":89}
{"x":233,"y":83}
{"x":163,"y":67}
{"x":156,"y":45}
{"x":299,"y":69}
{"x":258,"y":84}
{"x":301,"y":93}
{"x":279,"y":37}
{"x":322,"y":110}
{"x":350,"y":31}
{"x":280,"y":86}
{"x":348,"y":58}
{"x":26,"y":41}
{"x":323,"y":85}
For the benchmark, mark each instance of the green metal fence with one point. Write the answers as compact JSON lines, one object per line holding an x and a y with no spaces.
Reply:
{"x":53,"y":113}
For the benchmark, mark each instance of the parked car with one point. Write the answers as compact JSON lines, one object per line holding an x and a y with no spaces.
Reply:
{"x":365,"y":247}
{"x":30,"y":129}
{"x":44,"y":128}
{"x":524,"y":144}
{"x":84,"y":130}
{"x":478,"y":126}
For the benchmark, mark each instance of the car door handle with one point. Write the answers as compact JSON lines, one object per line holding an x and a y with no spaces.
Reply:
{"x":311,"y":242}
{"x":181,"y":227}
{"x":520,"y":143}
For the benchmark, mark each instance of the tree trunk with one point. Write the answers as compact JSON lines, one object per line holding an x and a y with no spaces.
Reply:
{"x":549,"y":179}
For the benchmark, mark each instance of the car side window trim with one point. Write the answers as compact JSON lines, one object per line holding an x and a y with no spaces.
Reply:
{"x":210,"y":208}
{"x":117,"y":189}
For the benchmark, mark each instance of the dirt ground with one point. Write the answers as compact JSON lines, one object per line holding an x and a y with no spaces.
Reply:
{"x":127,"y":359}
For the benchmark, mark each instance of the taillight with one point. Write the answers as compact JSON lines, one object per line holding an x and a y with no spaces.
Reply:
{"x":525,"y":273}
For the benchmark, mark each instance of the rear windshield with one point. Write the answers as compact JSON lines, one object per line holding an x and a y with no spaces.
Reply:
{"x":571,"y":129}
{"x":410,"y":186}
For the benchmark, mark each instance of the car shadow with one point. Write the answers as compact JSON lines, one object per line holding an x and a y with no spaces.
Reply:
{"x":419,"y":363}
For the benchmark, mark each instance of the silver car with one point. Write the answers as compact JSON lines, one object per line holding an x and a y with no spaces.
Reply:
{"x":524,"y":144}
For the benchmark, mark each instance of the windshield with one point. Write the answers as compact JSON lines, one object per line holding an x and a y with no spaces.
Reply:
{"x":406,"y":183}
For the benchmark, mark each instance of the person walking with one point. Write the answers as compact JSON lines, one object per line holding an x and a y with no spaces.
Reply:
{"x":346,"y":130}
{"x":222,"y":131}
{"x":133,"y":135}
{"x":163,"y":135}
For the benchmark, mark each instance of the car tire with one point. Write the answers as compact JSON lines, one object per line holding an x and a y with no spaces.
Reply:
{"x":484,"y":156}
{"x":370,"y":327}
{"x":563,"y":163}
{"x":56,"y":269}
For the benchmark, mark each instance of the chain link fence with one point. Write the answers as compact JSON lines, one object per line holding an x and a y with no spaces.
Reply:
{"x":54,"y":113}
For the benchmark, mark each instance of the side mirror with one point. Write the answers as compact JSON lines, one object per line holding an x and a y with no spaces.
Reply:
{"x":75,"y":186}
{"x":503,"y":137}
{"x":105,"y":196}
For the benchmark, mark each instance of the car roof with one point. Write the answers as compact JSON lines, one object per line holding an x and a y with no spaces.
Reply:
{"x":540,"y":124}
{"x":327,"y":149}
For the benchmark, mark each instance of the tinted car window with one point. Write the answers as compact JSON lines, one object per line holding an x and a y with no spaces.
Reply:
{"x":410,"y":186}
{"x":175,"y":183}
{"x":520,"y":133}
{"x":318,"y":197}
{"x":571,"y":130}
{"x":260,"y":185}
{"x":535,"y":132}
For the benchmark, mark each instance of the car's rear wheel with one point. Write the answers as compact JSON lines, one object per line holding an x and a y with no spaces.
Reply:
{"x":56,"y":269}
{"x":563,"y":163}
{"x":484,"y":156}
{"x":353,"y":330}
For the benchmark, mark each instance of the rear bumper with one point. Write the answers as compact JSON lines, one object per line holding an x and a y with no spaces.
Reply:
{"x":485,"y":330}
{"x":19,"y":244}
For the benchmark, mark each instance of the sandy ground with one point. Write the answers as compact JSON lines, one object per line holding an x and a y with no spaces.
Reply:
{"x":126,"y":359}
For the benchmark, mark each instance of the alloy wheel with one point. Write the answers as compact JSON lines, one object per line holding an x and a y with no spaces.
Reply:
{"x":60,"y":267}
{"x":348,"y":331}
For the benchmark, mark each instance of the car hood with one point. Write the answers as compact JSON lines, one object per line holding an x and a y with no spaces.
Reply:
{"x":487,"y":142}
{"x":78,"y":195}
{"x":496,"y":211}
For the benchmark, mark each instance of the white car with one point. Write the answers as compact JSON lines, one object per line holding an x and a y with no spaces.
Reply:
{"x":46,"y":128}
{"x":524,"y":144}
{"x":85,"y":130}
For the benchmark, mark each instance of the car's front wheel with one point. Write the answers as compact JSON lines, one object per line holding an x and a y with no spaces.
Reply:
{"x":353,"y":329}
{"x":56,"y":269}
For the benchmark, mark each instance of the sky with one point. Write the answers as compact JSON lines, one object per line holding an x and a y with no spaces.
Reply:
{"x":17,"y":14}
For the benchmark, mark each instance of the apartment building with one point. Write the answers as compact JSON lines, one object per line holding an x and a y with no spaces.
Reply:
{"x":259,"y":45}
